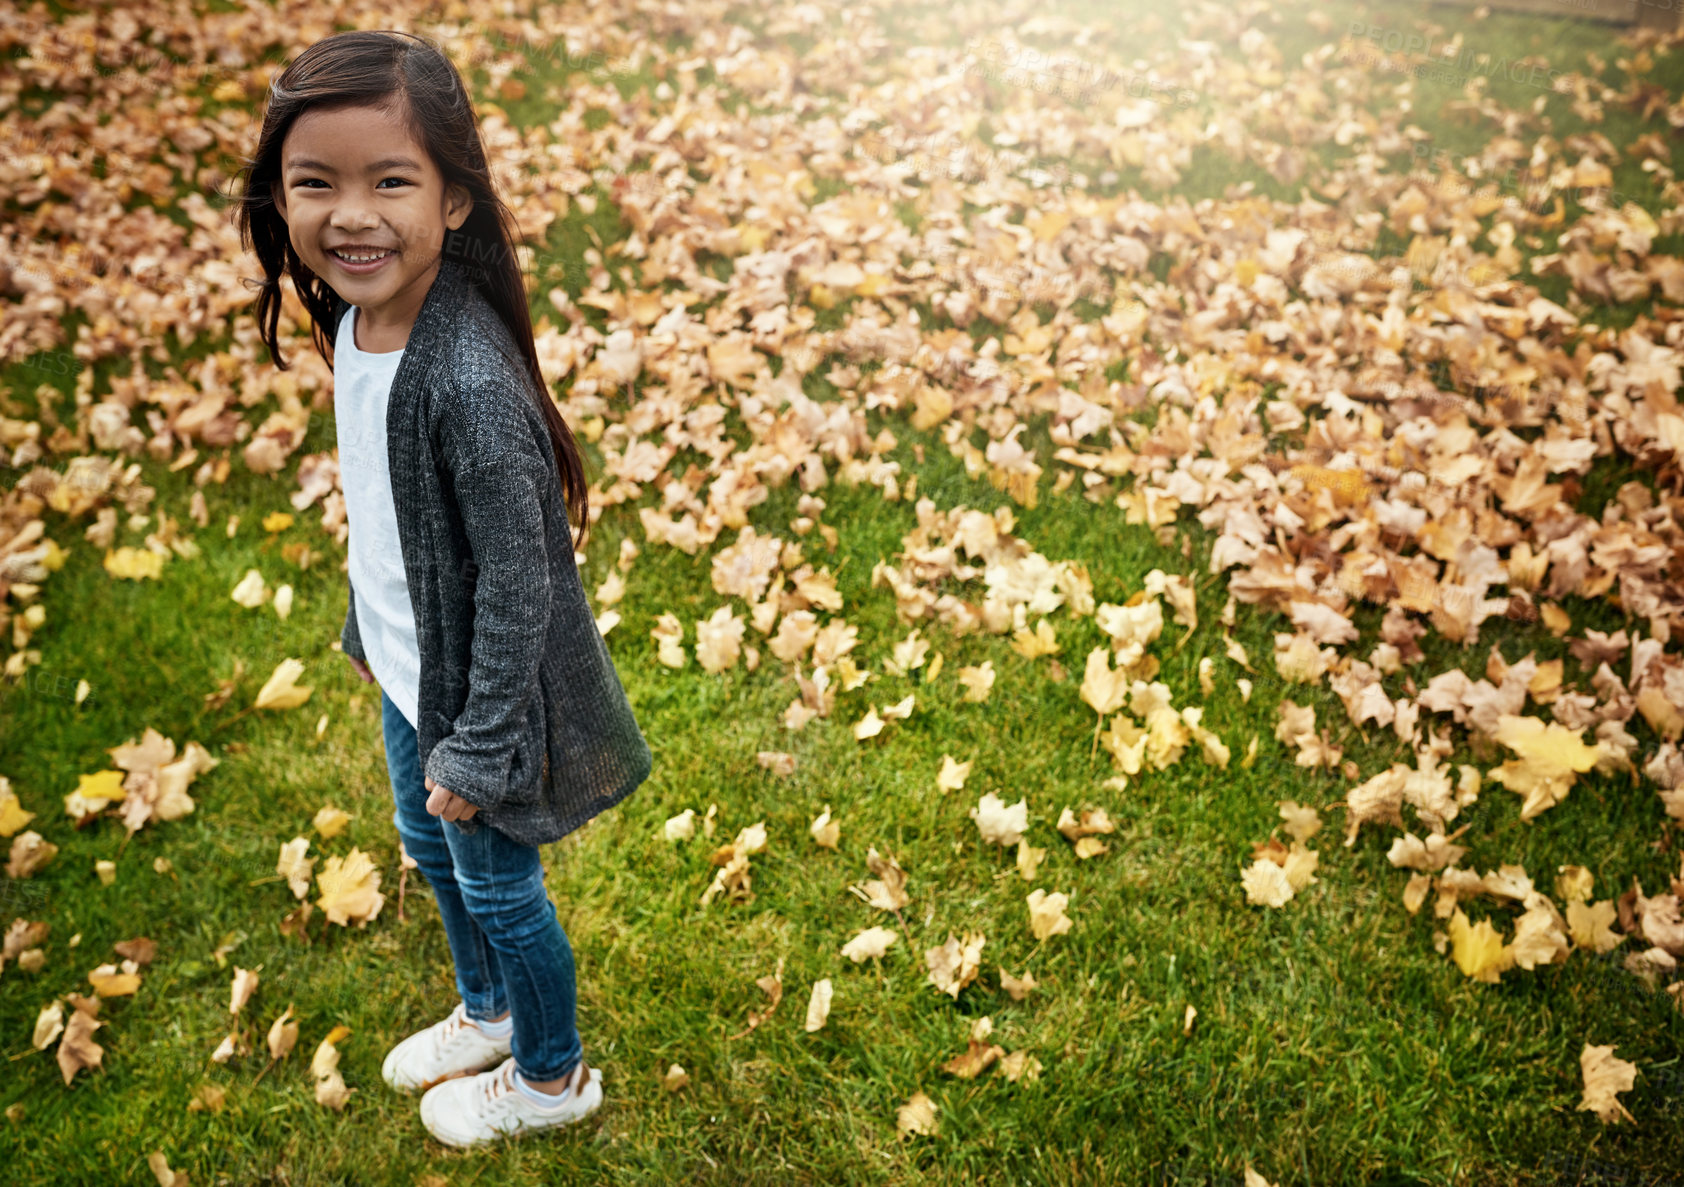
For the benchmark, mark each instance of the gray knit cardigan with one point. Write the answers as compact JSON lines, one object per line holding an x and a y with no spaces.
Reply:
{"x":521,"y":711}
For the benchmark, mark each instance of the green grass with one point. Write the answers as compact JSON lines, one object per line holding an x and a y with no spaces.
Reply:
{"x":1332,"y":1045}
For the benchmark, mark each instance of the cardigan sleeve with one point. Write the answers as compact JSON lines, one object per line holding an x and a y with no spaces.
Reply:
{"x":498,"y":471}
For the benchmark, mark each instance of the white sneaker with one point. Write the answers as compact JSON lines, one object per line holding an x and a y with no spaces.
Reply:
{"x":453,"y":1047}
{"x":480,"y":1109}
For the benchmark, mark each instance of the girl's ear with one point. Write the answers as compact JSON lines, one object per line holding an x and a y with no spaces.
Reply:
{"x":460,"y":203}
{"x":278,"y":196}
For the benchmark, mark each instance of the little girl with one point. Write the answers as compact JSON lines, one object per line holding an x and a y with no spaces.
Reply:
{"x":500,"y":704}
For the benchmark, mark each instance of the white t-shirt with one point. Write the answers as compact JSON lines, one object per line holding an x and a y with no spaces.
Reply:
{"x":362,"y":387}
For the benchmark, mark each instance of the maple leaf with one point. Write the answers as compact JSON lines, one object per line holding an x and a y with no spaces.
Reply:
{"x":1266,"y":884}
{"x":1302,"y":823}
{"x":329,"y":821}
{"x":998,"y":824}
{"x":134,"y":564}
{"x":29,"y":853}
{"x":1046,"y":914}
{"x":1478,"y":948}
{"x":350,"y":889}
{"x":719,"y":640}
{"x":1103,"y":689}
{"x":681,"y":827}
{"x":979,"y":1053}
{"x":1018,"y":988}
{"x":951,"y":777}
{"x":1605,"y":1077}
{"x":873,"y":941}
{"x":888,"y":891}
{"x":956,"y":963}
{"x":12,"y":815}
{"x":917,"y":1116}
{"x":1551,"y":757}
{"x":49,"y":1024}
{"x":1538,"y":939}
{"x":281,"y":690}
{"x":250,"y":592}
{"x":295,"y":867}
{"x":1021,"y":1065}
{"x":77,"y":1050}
{"x":109,"y":982}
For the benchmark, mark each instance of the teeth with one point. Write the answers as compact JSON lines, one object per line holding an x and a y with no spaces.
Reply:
{"x":362,"y":259}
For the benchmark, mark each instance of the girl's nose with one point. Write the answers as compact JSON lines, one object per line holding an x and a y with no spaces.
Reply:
{"x":353,"y":216}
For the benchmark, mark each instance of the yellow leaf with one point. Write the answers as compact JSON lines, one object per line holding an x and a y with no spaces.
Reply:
{"x":1551,"y":757}
{"x":135,"y":564}
{"x":1555,"y":618}
{"x":350,"y":889}
{"x":1478,"y":948}
{"x":12,"y":815}
{"x":1592,"y":925}
{"x":917,"y":1115}
{"x":108,"y":982}
{"x":101,"y":785}
{"x":1266,"y":884}
{"x":281,"y":691}
{"x":329,"y":822}
{"x":1033,"y":644}
{"x":1046,"y":914}
{"x":277,"y":521}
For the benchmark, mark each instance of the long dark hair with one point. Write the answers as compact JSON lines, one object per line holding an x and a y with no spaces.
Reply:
{"x":373,"y":68}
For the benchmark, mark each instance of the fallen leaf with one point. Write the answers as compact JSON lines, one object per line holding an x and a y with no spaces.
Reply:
{"x":1046,"y":914}
{"x":873,"y":941}
{"x":956,"y":963}
{"x":917,"y":1115}
{"x":818,"y":1005}
{"x":1605,"y":1077}
{"x":281,"y":690}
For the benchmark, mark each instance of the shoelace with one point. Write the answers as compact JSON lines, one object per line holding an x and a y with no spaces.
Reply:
{"x":500,"y":1085}
{"x":452,"y":1027}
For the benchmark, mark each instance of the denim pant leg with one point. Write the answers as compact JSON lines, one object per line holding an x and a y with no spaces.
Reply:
{"x":479,"y":977}
{"x":502,"y":885}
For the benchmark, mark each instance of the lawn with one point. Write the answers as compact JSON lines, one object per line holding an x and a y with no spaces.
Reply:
{"x":1330,"y":1040}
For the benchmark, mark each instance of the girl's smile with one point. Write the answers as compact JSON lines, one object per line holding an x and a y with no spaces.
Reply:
{"x":359,"y":260}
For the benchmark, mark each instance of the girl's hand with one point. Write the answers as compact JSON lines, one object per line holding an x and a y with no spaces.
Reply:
{"x":448,"y":804}
{"x":362,"y":669}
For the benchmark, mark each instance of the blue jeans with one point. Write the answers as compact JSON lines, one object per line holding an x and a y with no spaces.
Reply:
{"x":510,"y":951}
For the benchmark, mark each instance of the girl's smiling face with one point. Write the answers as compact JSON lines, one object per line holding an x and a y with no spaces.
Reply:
{"x":367,"y":210}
